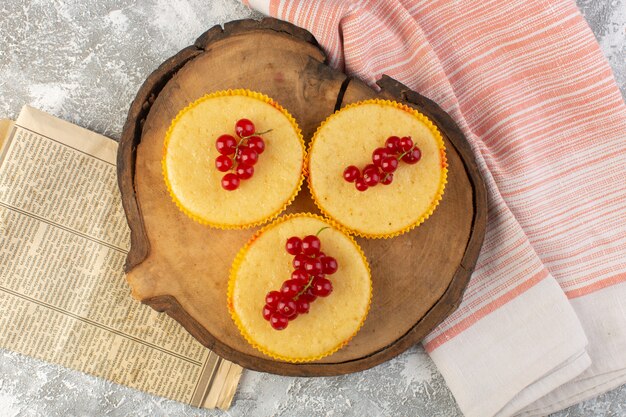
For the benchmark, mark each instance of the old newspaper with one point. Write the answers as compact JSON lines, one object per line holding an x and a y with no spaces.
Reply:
{"x":63,"y":296}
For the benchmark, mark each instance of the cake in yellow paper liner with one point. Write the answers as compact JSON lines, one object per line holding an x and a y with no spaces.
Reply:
{"x":348,"y":137}
{"x":189,"y":153}
{"x":263,"y":264}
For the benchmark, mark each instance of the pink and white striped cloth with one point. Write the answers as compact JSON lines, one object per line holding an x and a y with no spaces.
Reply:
{"x":543,"y":321}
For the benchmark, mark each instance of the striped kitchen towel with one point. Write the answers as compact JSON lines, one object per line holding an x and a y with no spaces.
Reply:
{"x":543,"y":321}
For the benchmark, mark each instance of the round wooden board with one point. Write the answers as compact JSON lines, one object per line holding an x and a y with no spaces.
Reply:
{"x":180,"y":267}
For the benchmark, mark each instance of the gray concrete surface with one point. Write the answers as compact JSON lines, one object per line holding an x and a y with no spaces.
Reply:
{"x":83,"y":61}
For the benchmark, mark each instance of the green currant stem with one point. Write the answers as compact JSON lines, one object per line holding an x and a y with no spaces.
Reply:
{"x":400,"y":157}
{"x":305,"y":289}
{"x":404,"y":153}
{"x":261,"y":133}
{"x":239,"y":145}
{"x":322,"y":229}
{"x":235,"y":163}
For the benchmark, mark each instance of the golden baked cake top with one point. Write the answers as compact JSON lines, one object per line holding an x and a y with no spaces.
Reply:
{"x":348,"y":138}
{"x":191,"y":159}
{"x":264,"y":265}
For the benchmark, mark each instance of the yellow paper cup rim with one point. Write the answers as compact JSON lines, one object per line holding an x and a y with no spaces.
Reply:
{"x":233,"y":276}
{"x":229,"y":93}
{"x":442,"y":181}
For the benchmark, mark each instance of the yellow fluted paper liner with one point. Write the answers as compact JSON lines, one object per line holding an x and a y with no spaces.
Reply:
{"x":442,"y":182}
{"x":233,"y":277}
{"x":225,"y":93}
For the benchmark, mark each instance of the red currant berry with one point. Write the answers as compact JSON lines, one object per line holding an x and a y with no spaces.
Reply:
{"x":370,"y":168}
{"x":389,"y":164}
{"x":392,"y":143}
{"x":405,"y":144}
{"x":371,"y":177}
{"x":351,"y":173}
{"x":300,"y":276}
{"x":278,"y":321}
{"x":291,"y":288}
{"x":308,"y":296}
{"x":223,"y":163}
{"x":267,"y":312}
{"x":386,"y":179}
{"x":413,"y":156}
{"x":360,"y":184}
{"x":248,"y":156}
{"x":244,"y":127}
{"x":313,"y":266}
{"x":230,"y":182}
{"x":378,"y":155}
{"x":311,"y":245}
{"x":257,"y":144}
{"x":272,"y":298}
{"x":293,"y":245}
{"x":302,"y":306}
{"x":244,"y":171}
{"x":287,"y":308}
{"x":329,"y":265}
{"x":313,"y":280}
{"x":299,"y":260}
{"x":321,"y":287}
{"x":226,"y":144}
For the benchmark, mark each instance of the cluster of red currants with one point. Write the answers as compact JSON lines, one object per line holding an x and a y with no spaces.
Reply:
{"x":239,"y":155}
{"x":307,"y":282}
{"x":385,"y":162}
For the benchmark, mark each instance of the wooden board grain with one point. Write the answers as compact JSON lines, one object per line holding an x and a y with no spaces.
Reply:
{"x":180,"y":267}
